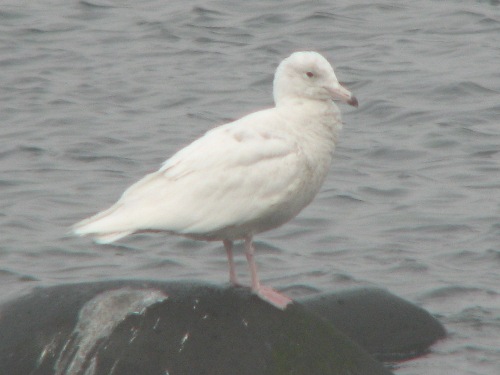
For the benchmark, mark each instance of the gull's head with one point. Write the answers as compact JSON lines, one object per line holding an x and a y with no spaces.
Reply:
{"x":309,"y":75}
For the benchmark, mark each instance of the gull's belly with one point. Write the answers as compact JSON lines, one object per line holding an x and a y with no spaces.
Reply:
{"x":277,"y":210}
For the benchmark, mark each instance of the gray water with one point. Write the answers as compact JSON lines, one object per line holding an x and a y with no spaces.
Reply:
{"x":94,"y":94}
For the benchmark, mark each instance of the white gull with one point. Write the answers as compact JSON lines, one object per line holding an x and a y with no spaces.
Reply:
{"x":244,"y":177}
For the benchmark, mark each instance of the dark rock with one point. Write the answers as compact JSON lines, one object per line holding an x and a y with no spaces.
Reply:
{"x":152,"y":328}
{"x":386,"y":326}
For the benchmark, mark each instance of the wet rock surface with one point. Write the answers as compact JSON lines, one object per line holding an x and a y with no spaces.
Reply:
{"x":143,"y":327}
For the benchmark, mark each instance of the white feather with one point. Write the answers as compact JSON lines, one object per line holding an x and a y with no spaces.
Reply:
{"x":240,"y":178}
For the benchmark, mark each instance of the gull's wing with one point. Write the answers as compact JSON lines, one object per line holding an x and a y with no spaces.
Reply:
{"x":236,"y":175}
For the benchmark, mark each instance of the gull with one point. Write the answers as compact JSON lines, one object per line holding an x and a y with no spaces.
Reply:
{"x":244,"y":177}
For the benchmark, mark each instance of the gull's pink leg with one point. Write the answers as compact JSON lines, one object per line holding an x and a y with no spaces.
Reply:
{"x":249,"y":252}
{"x":267,"y":294}
{"x":232,"y":272}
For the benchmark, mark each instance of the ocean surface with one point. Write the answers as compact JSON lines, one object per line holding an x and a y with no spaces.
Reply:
{"x":94,"y":94}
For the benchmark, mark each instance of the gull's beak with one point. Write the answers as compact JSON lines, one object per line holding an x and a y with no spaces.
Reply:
{"x":339,"y":92}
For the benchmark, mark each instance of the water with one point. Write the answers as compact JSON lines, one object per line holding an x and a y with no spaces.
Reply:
{"x":97,"y":93}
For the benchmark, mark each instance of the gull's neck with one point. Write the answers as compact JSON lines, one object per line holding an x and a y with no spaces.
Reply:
{"x":321,"y":117}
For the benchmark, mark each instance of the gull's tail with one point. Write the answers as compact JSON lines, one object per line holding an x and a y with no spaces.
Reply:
{"x":100,"y":227}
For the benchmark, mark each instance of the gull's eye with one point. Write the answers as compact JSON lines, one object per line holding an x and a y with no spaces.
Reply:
{"x":310,"y":74}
